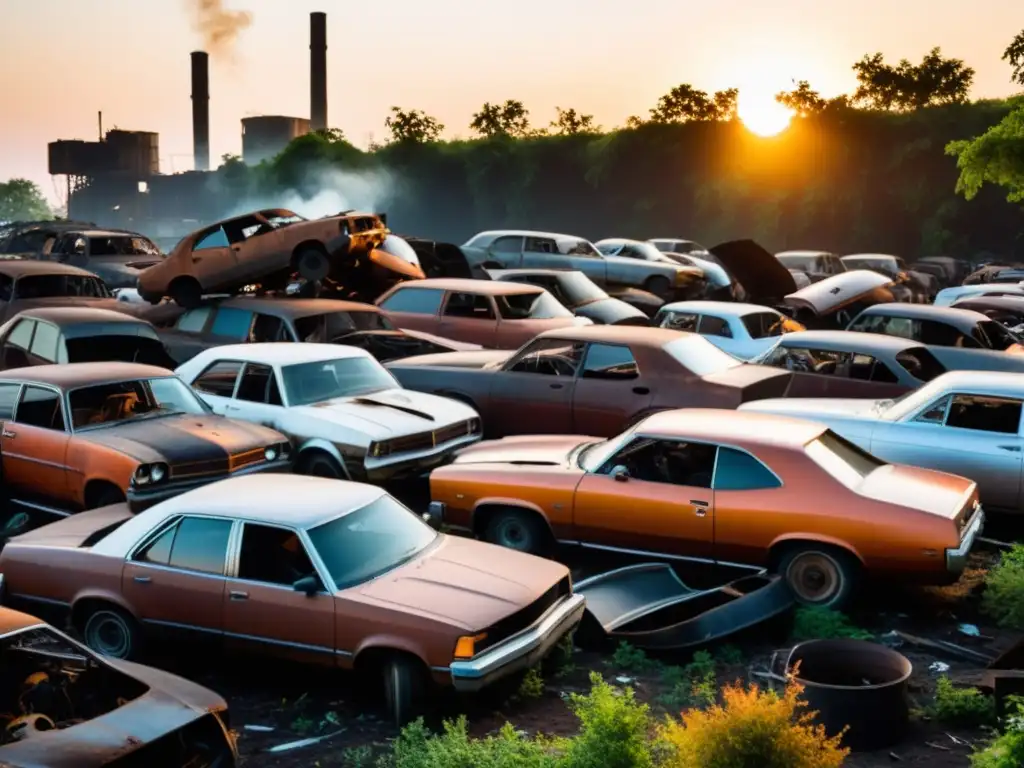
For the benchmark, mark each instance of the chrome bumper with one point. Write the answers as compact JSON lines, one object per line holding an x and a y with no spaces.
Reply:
{"x":521,"y":651}
{"x":140,"y":499}
{"x":956,"y":559}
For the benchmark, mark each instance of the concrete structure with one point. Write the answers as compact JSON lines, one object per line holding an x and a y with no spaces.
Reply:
{"x":201,"y":110}
{"x":266,"y":136}
{"x":318,"y":70}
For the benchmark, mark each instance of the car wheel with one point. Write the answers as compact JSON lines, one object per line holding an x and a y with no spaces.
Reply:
{"x":111,"y":632}
{"x":405,"y":687}
{"x":518,"y":530}
{"x":313,"y":264}
{"x":658,"y":285}
{"x":819,"y":576}
{"x":186,"y":292}
{"x":15,"y":525}
{"x":320,"y":464}
{"x":106,"y":497}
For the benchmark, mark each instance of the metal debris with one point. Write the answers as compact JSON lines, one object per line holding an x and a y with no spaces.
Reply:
{"x":258,"y":728}
{"x":970,"y":630}
{"x":304,"y":742}
{"x":938,"y":667}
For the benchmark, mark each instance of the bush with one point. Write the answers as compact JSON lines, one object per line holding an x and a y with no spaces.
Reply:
{"x":613,"y":729}
{"x":1007,"y":750}
{"x":961,"y":706}
{"x":752,"y":728}
{"x":825,"y":624}
{"x":695,"y":685}
{"x":1004,"y":589}
{"x":417,"y":747}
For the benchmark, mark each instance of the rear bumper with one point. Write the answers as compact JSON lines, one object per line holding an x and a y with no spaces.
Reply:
{"x":956,"y":559}
{"x":140,"y":499}
{"x":521,"y":651}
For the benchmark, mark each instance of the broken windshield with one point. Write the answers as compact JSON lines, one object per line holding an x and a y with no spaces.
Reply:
{"x":117,"y":402}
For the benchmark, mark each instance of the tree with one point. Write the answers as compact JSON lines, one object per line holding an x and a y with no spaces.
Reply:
{"x":995,"y":157}
{"x":510,"y":119}
{"x":684,"y":103}
{"x":569,"y":123}
{"x":1014,"y":54}
{"x":413,"y":126}
{"x":331,"y":135}
{"x":633,"y":121}
{"x":906,"y":86}
{"x":21,"y":199}
{"x":802,"y":100}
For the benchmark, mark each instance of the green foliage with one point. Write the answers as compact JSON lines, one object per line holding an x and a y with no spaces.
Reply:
{"x":906,"y":86}
{"x":568,"y":122}
{"x":1014,"y":54}
{"x":412,"y":125}
{"x":22,"y":200}
{"x":961,"y":706}
{"x":358,"y":757}
{"x":509,"y":120}
{"x":417,"y":747}
{"x":1003,"y":598}
{"x":694,"y":685}
{"x":613,"y":729}
{"x":561,"y":659}
{"x":729,"y":655}
{"x":825,"y":624}
{"x":628,"y":658}
{"x":1007,"y":749}
{"x":996,"y":157}
{"x":685,"y":103}
{"x":532,"y":686}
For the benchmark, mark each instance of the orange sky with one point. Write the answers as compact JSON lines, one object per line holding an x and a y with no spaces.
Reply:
{"x":63,"y":60}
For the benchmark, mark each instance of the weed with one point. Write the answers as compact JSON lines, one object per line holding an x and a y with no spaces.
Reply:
{"x":961,"y":706}
{"x":613,"y":729}
{"x":562,"y":657}
{"x":1003,"y":598}
{"x":729,"y":655}
{"x":358,"y":757}
{"x":694,"y":685}
{"x":1007,"y":749}
{"x":532,"y":686}
{"x":630,"y":659}
{"x":825,"y":624}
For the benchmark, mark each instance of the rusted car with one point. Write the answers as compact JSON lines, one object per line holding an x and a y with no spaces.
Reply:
{"x":67,"y":707}
{"x":576,"y":292}
{"x":115,"y":255}
{"x":268,"y":247}
{"x":491,"y":313}
{"x":78,"y":335}
{"x":817,"y":265}
{"x":720,"y":487}
{"x":85,"y":435}
{"x":26,"y":284}
{"x":322,"y":571}
{"x":937,"y":326}
{"x":594,"y":380}
{"x":1007,"y":310}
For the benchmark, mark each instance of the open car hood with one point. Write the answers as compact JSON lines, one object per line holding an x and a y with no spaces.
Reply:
{"x":762,"y":276}
{"x":835,"y":291}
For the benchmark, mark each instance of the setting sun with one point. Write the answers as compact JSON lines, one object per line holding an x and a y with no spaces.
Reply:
{"x":761,"y":114}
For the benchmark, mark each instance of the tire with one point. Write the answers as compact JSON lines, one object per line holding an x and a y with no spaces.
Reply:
{"x":312,"y":264}
{"x":186,"y":292}
{"x":15,"y":524}
{"x":106,"y":497}
{"x":405,"y":689}
{"x":319,"y":464}
{"x":820,"y":576}
{"x":518,"y":530}
{"x":658,"y":285}
{"x":111,"y":632}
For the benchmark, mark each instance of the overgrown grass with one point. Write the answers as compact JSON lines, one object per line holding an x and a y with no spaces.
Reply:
{"x":1003,"y":598}
{"x":961,"y":706}
{"x":825,"y":624}
{"x":693,"y":685}
{"x":1007,"y":749}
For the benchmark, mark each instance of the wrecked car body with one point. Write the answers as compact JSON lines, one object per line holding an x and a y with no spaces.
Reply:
{"x":816,"y":265}
{"x":577,"y":293}
{"x":938,"y":327}
{"x":743,"y":330}
{"x":116,"y":256}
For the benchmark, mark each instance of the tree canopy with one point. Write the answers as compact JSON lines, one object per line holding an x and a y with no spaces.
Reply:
{"x":510,"y":120}
{"x":1014,"y":54}
{"x":21,"y":199}
{"x":685,"y":103}
{"x":413,"y":125}
{"x":906,"y":86}
{"x":995,"y":157}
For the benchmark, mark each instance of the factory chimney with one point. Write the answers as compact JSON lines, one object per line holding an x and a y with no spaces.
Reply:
{"x":318,"y":71}
{"x":201,"y":110}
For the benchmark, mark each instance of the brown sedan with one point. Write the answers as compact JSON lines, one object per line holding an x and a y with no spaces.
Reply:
{"x":323,"y":571}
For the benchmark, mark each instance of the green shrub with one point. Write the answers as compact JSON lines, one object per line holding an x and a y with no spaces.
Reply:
{"x":729,"y":655}
{"x":695,"y":685}
{"x":417,"y":747}
{"x":631,"y":659}
{"x":961,"y":706}
{"x":825,"y":624}
{"x":1007,"y":749}
{"x":614,"y":729}
{"x":1003,"y":598}
{"x":532,"y":686}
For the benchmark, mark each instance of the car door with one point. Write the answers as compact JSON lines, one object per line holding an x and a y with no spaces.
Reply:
{"x":16,"y":344}
{"x":214,"y":262}
{"x":257,"y":398}
{"x":415,"y":308}
{"x":469,"y":317}
{"x":533,"y":392}
{"x":542,"y":253}
{"x":975,"y":436}
{"x":506,"y":251}
{"x":188,"y":337}
{"x":216,"y":384}
{"x":609,"y":391}
{"x":35,"y":445}
{"x":175,"y":578}
{"x":651,"y":496}
{"x":262,"y":609}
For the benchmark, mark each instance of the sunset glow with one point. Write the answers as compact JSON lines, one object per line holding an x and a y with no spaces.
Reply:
{"x":761,"y":114}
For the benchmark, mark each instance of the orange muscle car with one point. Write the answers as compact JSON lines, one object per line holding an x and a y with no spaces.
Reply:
{"x":85,"y":435}
{"x":320,"y":571}
{"x":719,"y":486}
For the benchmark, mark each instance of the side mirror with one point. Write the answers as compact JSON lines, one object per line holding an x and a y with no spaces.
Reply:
{"x":434,"y":516}
{"x":620,"y":474}
{"x":310,"y":585}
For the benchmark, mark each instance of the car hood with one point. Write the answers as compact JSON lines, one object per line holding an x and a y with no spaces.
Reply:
{"x":465,"y":582}
{"x":551,"y":450}
{"x":762,"y":276}
{"x":667,"y":267}
{"x":834,"y":291}
{"x":824,"y":407}
{"x":183,"y":439}
{"x":391,"y":412}
{"x":479,"y":359}
{"x":611,"y":311}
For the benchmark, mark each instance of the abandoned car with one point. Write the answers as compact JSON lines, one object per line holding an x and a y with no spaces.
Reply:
{"x":116,"y":256}
{"x":720,"y":487}
{"x":949,"y":296}
{"x":937,"y":326}
{"x":346,"y":416}
{"x":1007,"y":310}
{"x":743,"y":330}
{"x":28,"y":284}
{"x":909,"y":285}
{"x":578,"y":293}
{"x":306,"y":568}
{"x":817,"y":265}
{"x":638,"y":250}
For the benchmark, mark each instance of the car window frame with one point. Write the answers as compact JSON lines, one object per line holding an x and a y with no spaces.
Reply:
{"x":636,"y":437}
{"x":35,"y":334}
{"x":441,"y":292}
{"x":581,"y":370}
{"x":235,"y":554}
{"x":738,"y":449}
{"x":489,"y":300}
{"x":172,"y":522}
{"x":18,"y":386}
{"x":40,"y":385}
{"x":507,"y":366}
{"x":217,"y":313}
{"x":210,"y":313}
{"x":951,"y":396}
{"x":522,"y":244}
{"x":218,"y":361}
{"x":273,"y":379}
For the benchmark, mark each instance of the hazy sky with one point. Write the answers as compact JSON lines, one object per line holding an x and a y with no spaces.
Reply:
{"x":61,"y":61}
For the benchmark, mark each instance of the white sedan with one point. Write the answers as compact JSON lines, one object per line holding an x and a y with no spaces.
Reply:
{"x":743,"y":330}
{"x":345,"y":413}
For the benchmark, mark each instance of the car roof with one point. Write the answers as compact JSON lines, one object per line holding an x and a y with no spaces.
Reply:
{"x":841,"y":339}
{"x":869,"y":256}
{"x":963,"y":318}
{"x":737,"y":427}
{"x":524,"y":233}
{"x":291,"y":307}
{"x":14,"y":621}
{"x":803,"y":253}
{"x":302,"y":501}
{"x":541,"y":272}
{"x":74,"y":315}
{"x":71,"y":375}
{"x":722,"y":308}
{"x":276,"y":353}
{"x":24,"y":267}
{"x":469,"y":285}
{"x":621,"y":241}
{"x":617,"y":334}
{"x":106,"y":233}
{"x":997,"y":383}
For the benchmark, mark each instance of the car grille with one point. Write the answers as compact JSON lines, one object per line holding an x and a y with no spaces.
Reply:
{"x":247,"y":458}
{"x":424,"y":441}
{"x":222,"y":466}
{"x":202,"y":743}
{"x":525,"y":617}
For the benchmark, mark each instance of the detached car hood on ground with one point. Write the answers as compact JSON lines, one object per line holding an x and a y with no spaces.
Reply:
{"x":762,"y":276}
{"x":523,"y":449}
{"x":465,"y":582}
{"x":480,"y":359}
{"x":392,"y":412}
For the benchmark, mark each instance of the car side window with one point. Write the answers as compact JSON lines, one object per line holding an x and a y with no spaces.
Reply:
{"x":219,"y":378}
{"x":739,"y":471}
{"x":942,"y":335}
{"x":273,"y":556}
{"x":232,"y":323}
{"x":213,"y":239}
{"x":201,"y":544}
{"x":934,"y":413}
{"x":469,"y":305}
{"x":193,"y":321}
{"x":608,"y":361}
{"x":821,"y":361}
{"x":548,"y":357}
{"x":680,"y":321}
{"x":16,"y":345}
{"x":268,"y":328}
{"x":903,"y":327}
{"x":8,"y":398}
{"x":158,"y":551}
{"x":670,"y":462}
{"x":45,"y":342}
{"x":714,"y":326}
{"x":40,"y":407}
{"x":870,"y":324}
{"x":259,"y":385}
{"x":985,"y":414}
{"x":540,"y":245}
{"x":419,"y":301}
{"x":507,"y":244}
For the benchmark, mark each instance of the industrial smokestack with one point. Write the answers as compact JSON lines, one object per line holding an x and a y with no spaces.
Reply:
{"x":201,"y":110}
{"x":318,"y":71}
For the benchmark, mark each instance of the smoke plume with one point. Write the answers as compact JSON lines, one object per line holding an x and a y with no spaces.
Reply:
{"x":218,"y":25}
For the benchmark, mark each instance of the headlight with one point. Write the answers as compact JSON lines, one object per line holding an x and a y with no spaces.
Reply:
{"x":270,"y":452}
{"x":148,"y":474}
{"x":376,"y":450}
{"x":473,"y":426}
{"x":465,"y":646}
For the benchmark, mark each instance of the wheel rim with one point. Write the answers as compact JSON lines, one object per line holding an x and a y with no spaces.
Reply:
{"x":815,"y":577}
{"x":107,"y":634}
{"x":513,"y":535}
{"x":15,"y":524}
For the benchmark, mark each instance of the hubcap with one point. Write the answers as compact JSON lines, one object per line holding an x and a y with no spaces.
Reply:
{"x":814,"y":577}
{"x":107,"y":635}
{"x":512,"y":535}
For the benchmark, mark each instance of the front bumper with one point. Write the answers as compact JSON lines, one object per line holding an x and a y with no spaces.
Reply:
{"x":956,"y":559}
{"x":143,"y":498}
{"x":521,"y":651}
{"x":417,"y":463}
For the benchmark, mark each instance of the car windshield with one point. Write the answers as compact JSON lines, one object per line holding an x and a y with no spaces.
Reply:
{"x":798,"y":261}
{"x":278,"y":219}
{"x":842,"y":459}
{"x":121,"y":245}
{"x":332,"y":326}
{"x":307,"y":383}
{"x":994,"y":335}
{"x":370,"y":542}
{"x":700,"y":356}
{"x":575,"y":246}
{"x":530,"y":306}
{"x":101,"y":405}
{"x":886,"y":266}
{"x":591,"y":456}
{"x":580,"y":289}
{"x":59,"y":286}
{"x":763,"y":325}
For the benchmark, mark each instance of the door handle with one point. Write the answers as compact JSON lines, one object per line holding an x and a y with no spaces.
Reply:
{"x":238,"y":595}
{"x":141,"y":579}
{"x":641,"y":390}
{"x":556,"y":386}
{"x":1014,"y":448}
{"x":232,"y":408}
{"x":698,"y":503}
{"x":8,"y":433}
